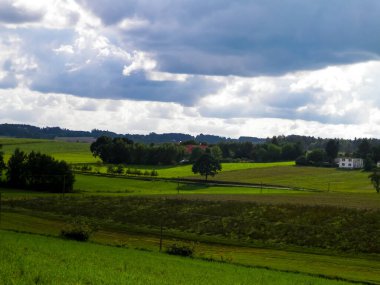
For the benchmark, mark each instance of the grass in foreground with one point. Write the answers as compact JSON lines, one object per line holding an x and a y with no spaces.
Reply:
{"x":357,"y":268}
{"x":29,"y":259}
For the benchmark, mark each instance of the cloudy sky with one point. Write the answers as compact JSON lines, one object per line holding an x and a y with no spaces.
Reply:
{"x":230,"y":68}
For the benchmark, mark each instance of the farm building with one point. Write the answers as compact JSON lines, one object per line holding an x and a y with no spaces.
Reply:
{"x":350,"y":163}
{"x":189,"y":148}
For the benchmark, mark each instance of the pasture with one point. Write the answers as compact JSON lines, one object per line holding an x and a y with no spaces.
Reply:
{"x":185,"y":170}
{"x":324,"y":179}
{"x":359,"y":268}
{"x":313,"y":232}
{"x":89,"y":184}
{"x":30,"y":259}
{"x":68,"y":151}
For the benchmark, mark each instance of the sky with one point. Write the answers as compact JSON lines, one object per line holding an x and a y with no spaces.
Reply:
{"x":229,"y":68}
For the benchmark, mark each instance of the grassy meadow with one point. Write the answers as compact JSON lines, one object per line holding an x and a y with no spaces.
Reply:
{"x":30,"y":259}
{"x":355,"y":268}
{"x":331,"y":232}
{"x":324,"y":179}
{"x":68,"y":151}
{"x":127,"y":186}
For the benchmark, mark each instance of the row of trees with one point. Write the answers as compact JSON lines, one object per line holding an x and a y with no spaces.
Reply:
{"x":123,"y":150}
{"x":265,"y":152}
{"x":37,"y":171}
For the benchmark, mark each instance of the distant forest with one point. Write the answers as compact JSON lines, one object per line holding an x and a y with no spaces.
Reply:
{"x":307,"y":142}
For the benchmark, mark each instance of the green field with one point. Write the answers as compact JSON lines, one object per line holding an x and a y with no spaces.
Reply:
{"x":347,"y":267}
{"x":97,"y":184}
{"x":185,"y":170}
{"x":30,"y":259}
{"x":265,"y":235}
{"x":325,"y":179}
{"x":68,"y":151}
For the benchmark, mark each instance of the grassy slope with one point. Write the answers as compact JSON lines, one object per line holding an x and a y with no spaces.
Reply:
{"x":34,"y":259}
{"x":70,"y":152}
{"x":308,"y":177}
{"x":347,"y":267}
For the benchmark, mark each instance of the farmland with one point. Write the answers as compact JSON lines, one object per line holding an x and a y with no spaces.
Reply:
{"x":29,"y":259}
{"x":70,"y":152}
{"x":325,"y":223}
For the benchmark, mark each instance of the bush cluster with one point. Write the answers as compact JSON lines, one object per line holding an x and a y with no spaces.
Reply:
{"x":181,"y":250}
{"x":79,"y":230}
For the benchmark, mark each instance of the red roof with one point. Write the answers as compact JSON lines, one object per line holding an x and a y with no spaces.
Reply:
{"x":189,"y":148}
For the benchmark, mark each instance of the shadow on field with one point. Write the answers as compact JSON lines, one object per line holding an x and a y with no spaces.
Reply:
{"x":192,"y":187}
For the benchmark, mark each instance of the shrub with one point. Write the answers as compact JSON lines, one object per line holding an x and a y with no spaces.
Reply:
{"x":78,"y":230}
{"x":154,"y":173}
{"x":181,"y":250}
{"x":301,"y":160}
{"x":86,"y":167}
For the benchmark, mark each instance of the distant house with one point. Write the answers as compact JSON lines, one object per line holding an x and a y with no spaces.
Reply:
{"x":350,"y":163}
{"x":189,"y":148}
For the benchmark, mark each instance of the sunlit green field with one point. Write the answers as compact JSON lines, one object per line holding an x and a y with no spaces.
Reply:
{"x":93,"y":184}
{"x":185,"y":170}
{"x":30,"y":259}
{"x":325,"y":179}
{"x":68,"y":151}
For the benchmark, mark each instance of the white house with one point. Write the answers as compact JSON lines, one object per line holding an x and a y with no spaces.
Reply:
{"x":350,"y":163}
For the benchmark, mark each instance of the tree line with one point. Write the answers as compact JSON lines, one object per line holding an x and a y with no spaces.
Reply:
{"x":123,"y":150}
{"x":368,"y":150}
{"x":36,"y":171}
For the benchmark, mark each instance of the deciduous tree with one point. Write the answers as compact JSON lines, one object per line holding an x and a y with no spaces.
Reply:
{"x":206,"y":166}
{"x":332,"y":149}
{"x":375,"y":179}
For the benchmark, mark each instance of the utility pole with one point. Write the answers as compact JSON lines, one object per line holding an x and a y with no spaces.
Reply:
{"x":161,"y":234}
{"x":63,"y":186}
{"x":0,"y":208}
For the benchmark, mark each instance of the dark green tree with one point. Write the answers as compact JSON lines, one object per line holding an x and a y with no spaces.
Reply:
{"x":216,"y":152}
{"x":316,"y":157}
{"x":368,"y":163}
{"x":375,"y":179}
{"x":364,"y":148}
{"x":39,"y":172}
{"x":332,"y":149}
{"x":206,"y":166}
{"x":2,"y":163}
{"x":290,"y":151}
{"x":16,"y":169}
{"x":196,"y":153}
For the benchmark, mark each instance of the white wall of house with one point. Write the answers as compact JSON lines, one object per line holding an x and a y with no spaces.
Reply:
{"x":350,"y":163}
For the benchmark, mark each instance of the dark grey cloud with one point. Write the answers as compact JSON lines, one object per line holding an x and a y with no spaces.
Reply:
{"x":249,"y":38}
{"x":16,"y":15}
{"x":86,"y":74}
